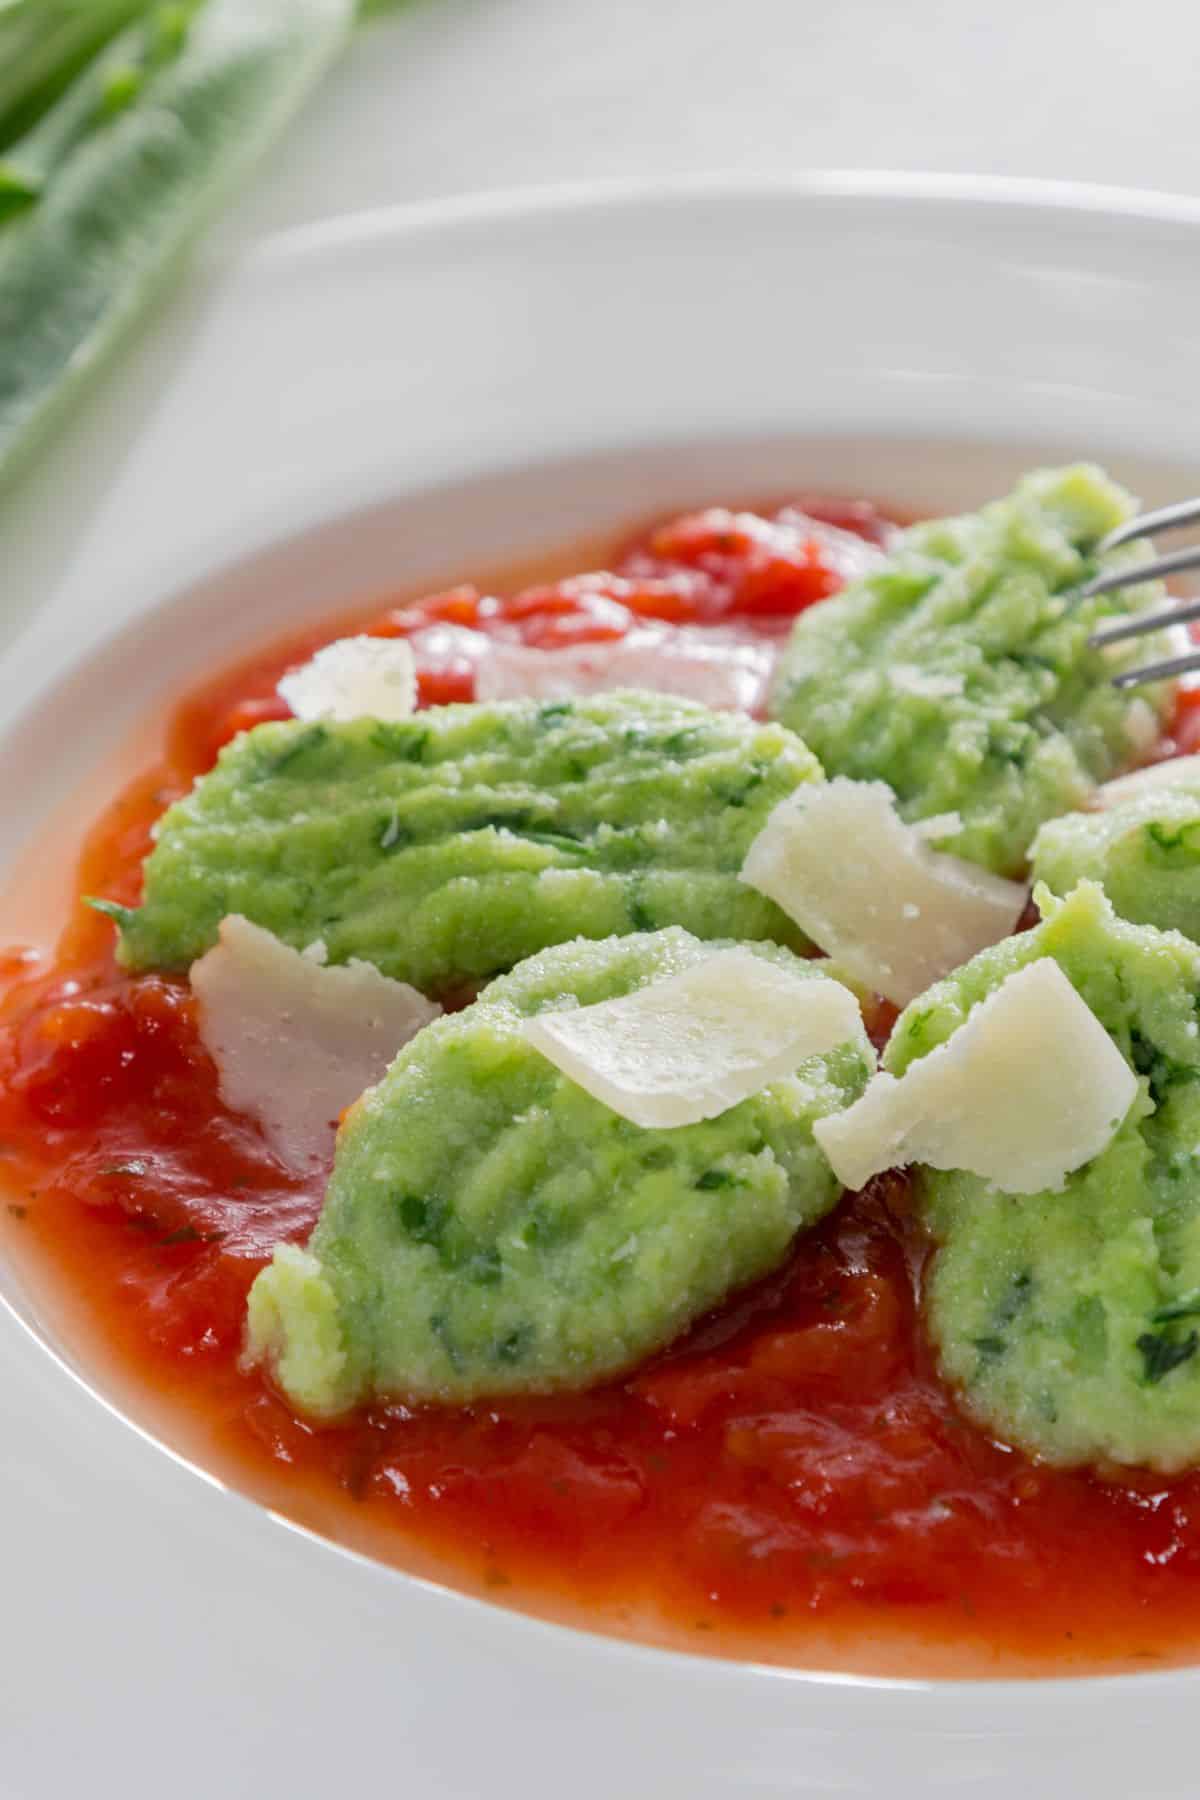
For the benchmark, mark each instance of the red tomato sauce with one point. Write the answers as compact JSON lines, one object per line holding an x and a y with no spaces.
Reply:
{"x":791,"y":1477}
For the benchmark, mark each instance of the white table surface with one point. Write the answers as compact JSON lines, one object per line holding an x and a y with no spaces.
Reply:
{"x":459,"y":95}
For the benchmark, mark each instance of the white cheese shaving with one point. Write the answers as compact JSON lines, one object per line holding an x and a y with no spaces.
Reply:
{"x":295,"y":1042}
{"x":354,"y":678}
{"x":840,"y":861}
{"x":939,"y":827}
{"x":715,"y":668}
{"x":694,"y":1044}
{"x":1029,"y":1088}
{"x":1141,"y":726}
{"x":441,"y":647}
{"x":1180,"y":771}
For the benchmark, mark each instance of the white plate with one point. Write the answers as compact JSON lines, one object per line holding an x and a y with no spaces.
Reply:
{"x":485,"y":380}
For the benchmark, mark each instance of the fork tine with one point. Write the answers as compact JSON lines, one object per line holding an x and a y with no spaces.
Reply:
{"x":1164,"y":518}
{"x":1141,"y":623}
{"x":1147,"y":571}
{"x":1159,"y":671}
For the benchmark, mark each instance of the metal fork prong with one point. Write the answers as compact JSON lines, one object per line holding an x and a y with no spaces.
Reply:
{"x":1108,"y":583}
{"x":1159,"y":671}
{"x":1140,"y":623}
{"x":1164,"y":518}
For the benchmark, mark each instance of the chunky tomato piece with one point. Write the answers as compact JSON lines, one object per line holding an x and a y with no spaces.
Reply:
{"x":568,"y":612}
{"x":444,"y":686}
{"x":760,"y":565}
{"x":463,"y":605}
{"x":1185,"y":725}
{"x":244,"y":717}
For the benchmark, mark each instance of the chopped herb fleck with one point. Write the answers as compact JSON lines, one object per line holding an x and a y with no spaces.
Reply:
{"x":1187,"y":1306}
{"x":512,"y":1348}
{"x":1029,"y":659}
{"x":657,"y":1157}
{"x":1161,"y":1353}
{"x":915,"y":1029}
{"x":738,"y":796}
{"x":640,"y":916}
{"x":302,"y":742}
{"x":716,"y":1178}
{"x":1016,"y":1298}
{"x":406,"y":743}
{"x":122,"y":916}
{"x":682,"y":743}
{"x":423,"y":1217}
{"x":556,"y":840}
{"x":1185,"y":839}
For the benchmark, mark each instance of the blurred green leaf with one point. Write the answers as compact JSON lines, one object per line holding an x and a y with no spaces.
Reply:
{"x":44,"y":45}
{"x":77,"y":266}
{"x":108,"y":86}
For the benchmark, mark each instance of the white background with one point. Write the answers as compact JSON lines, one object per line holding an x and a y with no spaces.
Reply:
{"x":459,"y":95}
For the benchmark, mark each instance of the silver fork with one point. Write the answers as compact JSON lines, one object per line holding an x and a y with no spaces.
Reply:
{"x":1165,"y":518}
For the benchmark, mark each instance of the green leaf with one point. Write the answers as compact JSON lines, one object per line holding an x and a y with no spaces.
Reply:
{"x":78,"y":268}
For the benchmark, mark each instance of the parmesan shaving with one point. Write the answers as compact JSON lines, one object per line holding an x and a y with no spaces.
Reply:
{"x":296,"y":1042}
{"x":1180,"y":771}
{"x":354,"y":678}
{"x":940,"y":827}
{"x":1029,"y":1088}
{"x":1142,"y":728}
{"x":867,"y":889}
{"x":693,"y":1045}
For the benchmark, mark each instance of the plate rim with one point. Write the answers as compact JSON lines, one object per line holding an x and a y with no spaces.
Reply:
{"x":416,"y":223}
{"x":922,"y":187}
